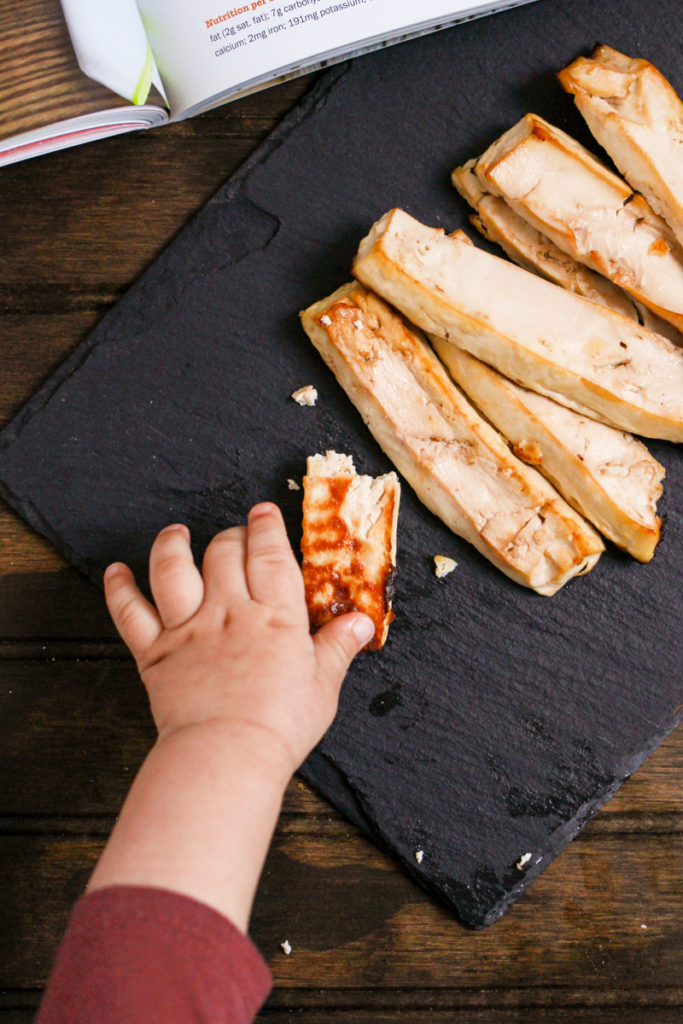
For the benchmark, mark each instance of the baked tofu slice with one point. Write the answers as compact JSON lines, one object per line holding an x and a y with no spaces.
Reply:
{"x":349,"y":542}
{"x":605,"y":474}
{"x":544,"y":337}
{"x":458,"y":465}
{"x":593,"y":215}
{"x":532,"y":250}
{"x":635,"y":115}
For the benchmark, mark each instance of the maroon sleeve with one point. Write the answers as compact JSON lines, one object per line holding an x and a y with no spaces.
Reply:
{"x":137,"y":955}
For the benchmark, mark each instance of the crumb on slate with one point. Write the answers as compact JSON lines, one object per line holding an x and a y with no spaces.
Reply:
{"x":443,"y":565}
{"x":306,"y":395}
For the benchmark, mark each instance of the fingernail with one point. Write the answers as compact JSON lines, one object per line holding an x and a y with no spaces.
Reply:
{"x":264,"y":508}
{"x":363,"y":628}
{"x":112,"y":570}
{"x":176,"y":528}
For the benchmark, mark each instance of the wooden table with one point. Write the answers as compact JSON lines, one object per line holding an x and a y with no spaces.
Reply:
{"x":597,"y":938}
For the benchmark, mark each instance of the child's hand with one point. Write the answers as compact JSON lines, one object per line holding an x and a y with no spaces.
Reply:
{"x":232,"y":645}
{"x":240,"y":694}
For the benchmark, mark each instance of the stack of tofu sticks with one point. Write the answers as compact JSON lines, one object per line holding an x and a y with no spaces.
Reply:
{"x":513,"y":418}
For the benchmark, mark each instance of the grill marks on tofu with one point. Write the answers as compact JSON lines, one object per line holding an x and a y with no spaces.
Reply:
{"x":457,"y":463}
{"x":349,"y":542}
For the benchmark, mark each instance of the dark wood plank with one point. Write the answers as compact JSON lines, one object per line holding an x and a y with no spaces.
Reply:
{"x":101,"y":244}
{"x":584,"y":1007}
{"x":579,"y":926}
{"x":76,"y":726}
{"x":587,"y":1013}
{"x":59,"y":602}
{"x":35,"y":343}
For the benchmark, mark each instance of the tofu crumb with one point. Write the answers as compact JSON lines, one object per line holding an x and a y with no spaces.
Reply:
{"x":306,"y":395}
{"x":325,"y":320}
{"x":358,"y":324}
{"x":286,"y":947}
{"x":293,"y":485}
{"x":419,"y":854}
{"x":443,"y":565}
{"x":524,"y":859}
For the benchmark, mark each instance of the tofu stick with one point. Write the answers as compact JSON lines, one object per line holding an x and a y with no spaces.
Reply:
{"x":544,"y":337}
{"x":458,"y":465}
{"x":532,"y":250}
{"x":635,"y":115}
{"x":593,"y":215}
{"x":349,"y":542}
{"x":605,"y":474}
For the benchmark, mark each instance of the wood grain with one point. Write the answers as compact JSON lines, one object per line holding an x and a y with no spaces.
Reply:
{"x":368,"y":945}
{"x":40,"y":80}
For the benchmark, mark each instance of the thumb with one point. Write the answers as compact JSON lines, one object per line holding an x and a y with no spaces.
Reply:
{"x":337,"y":644}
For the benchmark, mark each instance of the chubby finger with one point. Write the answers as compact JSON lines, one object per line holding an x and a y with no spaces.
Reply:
{"x":273,"y":575}
{"x":134,"y":617}
{"x":224,"y":567}
{"x":337,"y":644}
{"x":176,"y":583}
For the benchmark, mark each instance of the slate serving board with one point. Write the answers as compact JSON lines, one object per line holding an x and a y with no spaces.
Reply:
{"x":495,"y":722}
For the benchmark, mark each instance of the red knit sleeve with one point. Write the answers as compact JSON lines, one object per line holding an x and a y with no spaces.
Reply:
{"x":137,"y":955}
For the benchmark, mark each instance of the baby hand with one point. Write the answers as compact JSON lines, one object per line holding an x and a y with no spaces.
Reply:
{"x":232,"y":644}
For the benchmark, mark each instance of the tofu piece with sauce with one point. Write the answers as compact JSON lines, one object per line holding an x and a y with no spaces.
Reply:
{"x":458,"y":465}
{"x":349,"y":542}
{"x":605,"y":474}
{"x":562,"y":190}
{"x":546,"y":338}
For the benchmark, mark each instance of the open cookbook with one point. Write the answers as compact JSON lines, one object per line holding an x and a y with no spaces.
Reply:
{"x":74,"y":70}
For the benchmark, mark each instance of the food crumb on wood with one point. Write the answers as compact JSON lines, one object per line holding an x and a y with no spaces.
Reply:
{"x":307,"y":395}
{"x":293,"y":485}
{"x":443,"y":565}
{"x":644,"y":927}
{"x":524,"y":859}
{"x":419,"y":854}
{"x":286,"y":947}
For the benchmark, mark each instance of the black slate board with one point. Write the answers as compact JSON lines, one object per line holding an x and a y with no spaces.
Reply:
{"x":496,"y":721}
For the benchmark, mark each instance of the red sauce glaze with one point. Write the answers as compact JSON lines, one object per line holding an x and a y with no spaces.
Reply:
{"x":330,"y":590}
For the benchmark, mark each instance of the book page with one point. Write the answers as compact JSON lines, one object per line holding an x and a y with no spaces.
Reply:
{"x":40,"y":80}
{"x":46,"y":101}
{"x":207,"y":49}
{"x":111,"y":46}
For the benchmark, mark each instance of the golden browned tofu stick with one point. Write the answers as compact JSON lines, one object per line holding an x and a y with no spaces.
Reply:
{"x":604,"y":473}
{"x":635,"y":115}
{"x":458,"y":465}
{"x":587,"y":211}
{"x":531,"y":249}
{"x":566,"y":347}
